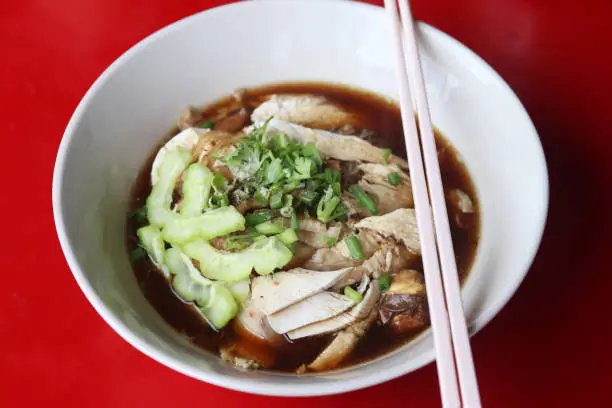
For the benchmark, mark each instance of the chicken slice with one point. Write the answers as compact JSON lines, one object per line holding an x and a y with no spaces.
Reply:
{"x":321,"y":306}
{"x":400,"y":225}
{"x":355,"y":314}
{"x":251,"y":322}
{"x":272,"y":293}
{"x":375,"y":182}
{"x":307,"y":110}
{"x":343,"y":344}
{"x":329,"y":144}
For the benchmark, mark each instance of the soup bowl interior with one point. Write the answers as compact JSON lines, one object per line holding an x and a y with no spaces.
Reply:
{"x":204,"y":57}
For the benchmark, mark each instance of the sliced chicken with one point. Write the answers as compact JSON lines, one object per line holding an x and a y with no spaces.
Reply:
{"x":357,"y":313}
{"x":251,"y":321}
{"x":374,"y":182}
{"x":272,"y":293}
{"x":343,"y":344}
{"x":399,"y":224}
{"x":326,"y":259}
{"x":329,"y":144}
{"x":306,"y":110}
{"x":321,"y":306}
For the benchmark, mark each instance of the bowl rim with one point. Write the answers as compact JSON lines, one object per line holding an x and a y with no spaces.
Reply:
{"x":253,"y":385}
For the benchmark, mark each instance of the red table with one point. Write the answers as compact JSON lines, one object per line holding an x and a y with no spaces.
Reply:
{"x":550,"y":347}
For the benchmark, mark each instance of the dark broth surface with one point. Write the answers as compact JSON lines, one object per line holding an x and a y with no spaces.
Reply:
{"x":376,"y":114}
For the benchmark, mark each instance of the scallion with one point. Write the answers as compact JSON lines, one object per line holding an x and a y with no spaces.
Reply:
{"x":330,"y":241}
{"x":386,"y":154}
{"x":207,"y":125}
{"x":354,"y":248}
{"x":294,"y":222}
{"x":384,"y":282}
{"x":394,"y":178}
{"x":364,"y":199}
{"x":352,"y":294}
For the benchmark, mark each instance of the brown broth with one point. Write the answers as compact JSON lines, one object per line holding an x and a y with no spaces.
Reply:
{"x":375,"y":113}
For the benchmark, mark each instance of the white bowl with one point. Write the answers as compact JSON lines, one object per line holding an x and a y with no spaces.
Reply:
{"x":204,"y":57}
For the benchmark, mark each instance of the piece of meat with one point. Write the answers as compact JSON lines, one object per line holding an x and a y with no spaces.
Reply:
{"x":373,"y":179}
{"x":188,"y":118}
{"x":306,"y":110}
{"x":214,"y":141}
{"x":334,"y":145}
{"x":233,"y":122}
{"x":404,"y":305}
{"x":399,"y":224}
{"x":277,"y":291}
{"x":321,"y":306}
{"x":315,"y":233}
{"x":301,"y":254}
{"x":407,"y":282}
{"x":355,"y":314}
{"x":343,"y":344}
{"x":251,"y":322}
{"x":414,"y":316}
{"x":388,"y":258}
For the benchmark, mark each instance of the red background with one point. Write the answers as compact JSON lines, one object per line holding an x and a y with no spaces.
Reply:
{"x":549,"y":347}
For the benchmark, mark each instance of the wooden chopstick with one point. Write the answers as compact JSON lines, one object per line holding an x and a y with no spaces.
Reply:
{"x":405,"y":40}
{"x":450,"y":277}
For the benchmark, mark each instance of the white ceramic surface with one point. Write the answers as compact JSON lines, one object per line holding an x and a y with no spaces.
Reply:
{"x":204,"y":57}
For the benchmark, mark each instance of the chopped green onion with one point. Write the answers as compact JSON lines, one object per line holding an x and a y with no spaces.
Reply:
{"x":215,"y":154}
{"x":394,"y":178}
{"x":139,"y":253}
{"x":354,"y":248}
{"x":294,"y":222}
{"x":331,"y":241}
{"x":207,"y":125}
{"x":140,"y":215}
{"x":276,"y":200}
{"x":288,"y":236}
{"x":364,"y":199}
{"x":258,"y":217}
{"x":384,"y":282}
{"x":352,"y":294}
{"x":386,"y":154}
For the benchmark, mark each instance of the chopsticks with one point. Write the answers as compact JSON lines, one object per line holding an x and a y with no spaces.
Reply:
{"x":449,"y":330}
